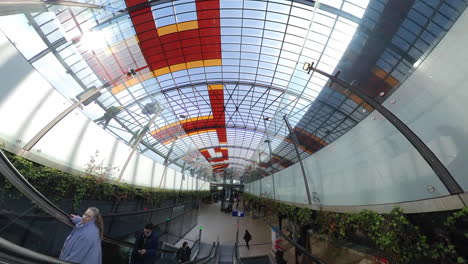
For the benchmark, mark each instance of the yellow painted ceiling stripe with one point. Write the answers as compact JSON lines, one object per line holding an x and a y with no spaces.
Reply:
{"x":167,"y":30}
{"x":189,"y":25}
{"x":181,"y":122}
{"x":215,"y":87}
{"x":190,"y":134}
{"x":213,"y":62}
{"x":138,"y":79}
{"x":166,"y":70}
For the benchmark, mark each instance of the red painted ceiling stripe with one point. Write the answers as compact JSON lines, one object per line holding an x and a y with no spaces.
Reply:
{"x":192,"y":45}
{"x":170,"y":49}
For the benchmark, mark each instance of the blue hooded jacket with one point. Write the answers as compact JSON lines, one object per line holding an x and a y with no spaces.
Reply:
{"x":83,"y":245}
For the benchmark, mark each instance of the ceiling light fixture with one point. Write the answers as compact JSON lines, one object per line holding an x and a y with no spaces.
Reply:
{"x":308,"y":67}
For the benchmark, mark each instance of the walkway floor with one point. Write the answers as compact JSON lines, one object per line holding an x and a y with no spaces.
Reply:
{"x":223,"y":226}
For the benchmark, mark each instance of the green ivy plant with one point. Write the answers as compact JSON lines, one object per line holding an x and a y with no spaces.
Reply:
{"x":58,"y":185}
{"x":392,"y":233}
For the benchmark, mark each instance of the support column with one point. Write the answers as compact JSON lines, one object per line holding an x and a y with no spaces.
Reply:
{"x":166,"y":160}
{"x":136,"y":143}
{"x":31,"y":143}
{"x":183,"y":176}
{"x":296,"y":143}
{"x":272,"y":176}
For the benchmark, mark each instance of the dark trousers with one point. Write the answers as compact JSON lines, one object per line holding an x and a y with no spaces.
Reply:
{"x":247,"y":244}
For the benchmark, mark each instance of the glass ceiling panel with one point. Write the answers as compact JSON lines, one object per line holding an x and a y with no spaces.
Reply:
{"x":226,"y":72}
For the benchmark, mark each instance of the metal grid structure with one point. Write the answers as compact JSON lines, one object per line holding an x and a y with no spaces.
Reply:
{"x":225,"y":110}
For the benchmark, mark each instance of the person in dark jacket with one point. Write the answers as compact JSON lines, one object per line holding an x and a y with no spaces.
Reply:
{"x":279,"y":257}
{"x":144,"y":251}
{"x":183,"y":253}
{"x":83,"y":245}
{"x":247,"y":238}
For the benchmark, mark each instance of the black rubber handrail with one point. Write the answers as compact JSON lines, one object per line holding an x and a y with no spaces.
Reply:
{"x":197,"y":242}
{"x":11,"y":253}
{"x":296,"y":245}
{"x":210,"y":258}
{"x":204,"y":258}
{"x":16,"y":178}
{"x":143,"y":211}
{"x":107,"y":215}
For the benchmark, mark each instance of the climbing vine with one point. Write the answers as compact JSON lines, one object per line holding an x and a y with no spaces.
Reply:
{"x":58,"y":185}
{"x":392,"y":233}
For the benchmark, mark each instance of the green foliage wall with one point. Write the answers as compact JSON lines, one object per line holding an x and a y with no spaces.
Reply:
{"x":57,"y":185}
{"x":393,"y":233}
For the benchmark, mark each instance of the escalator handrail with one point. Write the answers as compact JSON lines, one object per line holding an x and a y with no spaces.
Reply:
{"x":204,"y":258}
{"x":210,"y":258}
{"x":216,"y":252}
{"x":16,"y":254}
{"x":236,"y":253}
{"x":296,"y":245}
{"x":198,"y":251}
{"x":142,"y":211}
{"x":18,"y":180}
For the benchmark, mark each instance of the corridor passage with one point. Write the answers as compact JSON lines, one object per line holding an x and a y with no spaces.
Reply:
{"x":220,"y":225}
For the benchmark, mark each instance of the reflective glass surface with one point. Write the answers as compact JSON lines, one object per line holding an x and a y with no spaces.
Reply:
{"x":223,"y":74}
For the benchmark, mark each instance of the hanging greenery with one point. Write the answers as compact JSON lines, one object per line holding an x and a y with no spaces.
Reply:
{"x":57,"y":185}
{"x":392,"y":233}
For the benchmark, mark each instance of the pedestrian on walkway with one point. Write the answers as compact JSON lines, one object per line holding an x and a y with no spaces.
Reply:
{"x":144,"y":251}
{"x":279,"y":257}
{"x":183,"y":253}
{"x":83,"y":245}
{"x":247,"y":238}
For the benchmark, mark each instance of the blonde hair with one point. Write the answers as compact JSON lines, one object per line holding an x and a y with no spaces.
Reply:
{"x":98,"y":221}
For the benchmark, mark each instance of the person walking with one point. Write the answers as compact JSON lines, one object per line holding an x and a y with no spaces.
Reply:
{"x":279,"y":257}
{"x":247,"y":238}
{"x":183,"y":253}
{"x":146,"y":243}
{"x":83,"y":245}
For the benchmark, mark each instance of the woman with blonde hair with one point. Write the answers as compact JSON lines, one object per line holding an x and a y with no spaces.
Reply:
{"x":83,"y":245}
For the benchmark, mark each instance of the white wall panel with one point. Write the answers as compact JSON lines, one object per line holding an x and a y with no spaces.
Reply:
{"x":28,"y":102}
{"x":433,"y":101}
{"x":289,"y":185}
{"x":267,"y":187}
{"x":373,"y":163}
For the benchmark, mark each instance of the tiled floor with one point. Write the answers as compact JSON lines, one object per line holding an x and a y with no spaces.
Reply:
{"x":223,"y":226}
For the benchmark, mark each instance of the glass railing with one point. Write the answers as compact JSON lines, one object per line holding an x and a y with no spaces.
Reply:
{"x":11,"y":253}
{"x":30,"y":220}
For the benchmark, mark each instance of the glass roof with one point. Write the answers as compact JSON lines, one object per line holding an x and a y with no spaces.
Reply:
{"x":226,"y":72}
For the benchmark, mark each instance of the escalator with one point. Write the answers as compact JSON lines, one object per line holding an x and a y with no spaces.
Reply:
{"x":207,"y":254}
{"x":256,"y":260}
{"x":225,"y":254}
{"x":29,"y":219}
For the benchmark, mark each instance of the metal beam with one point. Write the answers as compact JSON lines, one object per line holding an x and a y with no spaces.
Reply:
{"x":166,"y":160}
{"x":80,"y":83}
{"x":439,"y":169}
{"x":137,"y":143}
{"x":268,"y":141}
{"x":296,"y":143}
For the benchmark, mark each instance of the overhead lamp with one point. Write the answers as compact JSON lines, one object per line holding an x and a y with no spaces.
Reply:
{"x":267,"y":141}
{"x":131,"y":72}
{"x":308,"y":67}
{"x":152,"y":109}
{"x":91,"y":94}
{"x":183,"y":116}
{"x":267,"y":118}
